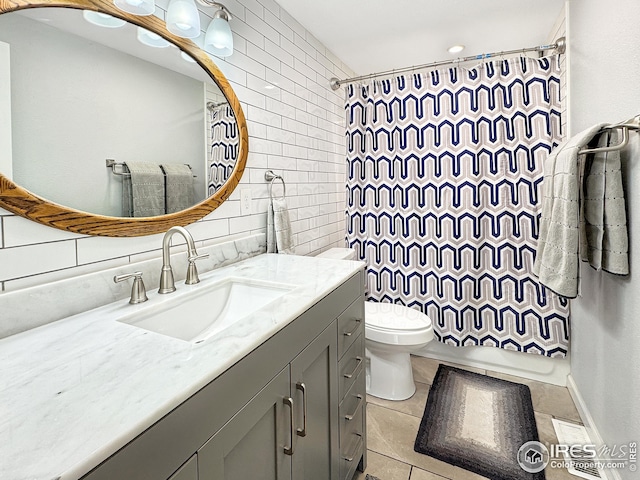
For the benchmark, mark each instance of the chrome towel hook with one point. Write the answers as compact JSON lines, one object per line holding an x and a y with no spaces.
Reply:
{"x":271,"y":177}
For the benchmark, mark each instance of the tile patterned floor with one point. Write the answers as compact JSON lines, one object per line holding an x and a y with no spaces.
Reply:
{"x":392,"y":428}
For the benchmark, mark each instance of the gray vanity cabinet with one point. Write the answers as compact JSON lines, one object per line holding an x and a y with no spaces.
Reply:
{"x":289,"y":430}
{"x":314,"y":389}
{"x":188,"y":471}
{"x":237,"y":426}
{"x":250,"y":445}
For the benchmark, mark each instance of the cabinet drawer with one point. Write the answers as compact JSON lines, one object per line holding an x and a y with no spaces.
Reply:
{"x":350,"y":325}
{"x":351,"y":411}
{"x":350,"y":366}
{"x":350,"y":457}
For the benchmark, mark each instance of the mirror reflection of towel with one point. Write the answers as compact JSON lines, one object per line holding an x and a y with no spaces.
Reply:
{"x":178,"y":187}
{"x":142,"y":190}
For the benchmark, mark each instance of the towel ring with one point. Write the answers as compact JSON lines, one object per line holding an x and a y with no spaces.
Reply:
{"x":271,"y":177}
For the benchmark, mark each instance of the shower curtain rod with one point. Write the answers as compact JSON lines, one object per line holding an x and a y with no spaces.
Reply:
{"x":560,"y":46}
{"x":212,"y":105}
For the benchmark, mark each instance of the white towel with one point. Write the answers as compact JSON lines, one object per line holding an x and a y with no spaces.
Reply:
{"x":557,"y":255}
{"x":178,"y":187}
{"x":279,"y":234}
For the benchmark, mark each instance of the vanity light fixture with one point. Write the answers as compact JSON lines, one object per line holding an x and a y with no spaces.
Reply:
{"x":136,"y":7}
{"x":102,"y":19}
{"x":187,"y":58}
{"x":219,"y":39}
{"x":183,"y":20}
{"x":151,"y":39}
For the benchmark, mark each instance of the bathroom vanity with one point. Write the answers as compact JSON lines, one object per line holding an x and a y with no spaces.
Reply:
{"x":280,"y":393}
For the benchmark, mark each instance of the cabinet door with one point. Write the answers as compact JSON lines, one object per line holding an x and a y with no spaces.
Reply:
{"x":188,"y":471}
{"x":314,"y":388}
{"x":252,"y":444}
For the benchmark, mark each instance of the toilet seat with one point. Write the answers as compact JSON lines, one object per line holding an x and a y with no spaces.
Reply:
{"x":392,"y":324}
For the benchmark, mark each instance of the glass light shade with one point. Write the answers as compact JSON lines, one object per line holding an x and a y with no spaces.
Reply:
{"x":187,"y":58}
{"x":183,"y":18}
{"x":136,"y":7}
{"x":151,"y":39}
{"x":219,"y":39}
{"x":102,"y":19}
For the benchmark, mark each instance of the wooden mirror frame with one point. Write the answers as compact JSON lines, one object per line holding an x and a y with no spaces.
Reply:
{"x":28,"y":205}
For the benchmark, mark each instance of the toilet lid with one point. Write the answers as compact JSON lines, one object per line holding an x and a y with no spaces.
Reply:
{"x":388,"y":316}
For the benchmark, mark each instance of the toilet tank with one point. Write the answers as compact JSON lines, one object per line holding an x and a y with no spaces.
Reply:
{"x":339,"y":254}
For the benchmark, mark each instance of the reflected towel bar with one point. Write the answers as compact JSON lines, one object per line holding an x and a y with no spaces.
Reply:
{"x":112,"y":164}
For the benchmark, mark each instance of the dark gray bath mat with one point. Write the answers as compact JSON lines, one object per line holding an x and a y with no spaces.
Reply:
{"x":478,"y":423}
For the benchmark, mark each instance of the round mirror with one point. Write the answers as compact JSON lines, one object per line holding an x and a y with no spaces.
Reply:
{"x":112,"y":120}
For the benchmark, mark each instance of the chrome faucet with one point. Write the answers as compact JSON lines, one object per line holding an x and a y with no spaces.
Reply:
{"x":167,"y":283}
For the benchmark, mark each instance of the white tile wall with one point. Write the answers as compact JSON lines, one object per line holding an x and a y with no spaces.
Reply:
{"x":295,"y":128}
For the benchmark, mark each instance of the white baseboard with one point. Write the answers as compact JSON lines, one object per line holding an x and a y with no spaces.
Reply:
{"x":588,"y":422}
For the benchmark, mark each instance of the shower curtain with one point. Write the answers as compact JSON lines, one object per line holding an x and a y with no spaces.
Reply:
{"x":223,"y":150}
{"x":443,"y":199}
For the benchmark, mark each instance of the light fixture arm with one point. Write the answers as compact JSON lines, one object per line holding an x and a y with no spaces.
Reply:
{"x":211,"y":3}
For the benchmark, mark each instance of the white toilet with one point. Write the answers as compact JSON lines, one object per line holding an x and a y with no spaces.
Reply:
{"x":392,"y":333}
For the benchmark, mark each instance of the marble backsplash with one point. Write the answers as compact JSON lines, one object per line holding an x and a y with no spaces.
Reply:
{"x":32,"y":307}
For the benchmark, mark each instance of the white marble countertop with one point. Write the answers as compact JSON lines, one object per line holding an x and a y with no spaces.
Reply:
{"x":75,"y":391}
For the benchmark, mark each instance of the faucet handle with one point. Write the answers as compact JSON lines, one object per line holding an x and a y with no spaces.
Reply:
{"x":138,"y":290}
{"x":197,"y":256}
{"x":192,"y":270}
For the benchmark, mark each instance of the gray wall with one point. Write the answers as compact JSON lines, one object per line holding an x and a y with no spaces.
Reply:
{"x":605,"y":343}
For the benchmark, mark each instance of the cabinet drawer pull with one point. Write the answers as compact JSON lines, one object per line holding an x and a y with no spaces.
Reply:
{"x":358,"y":362}
{"x":348,"y":418}
{"x":349,"y":458}
{"x":348,"y":334}
{"x":302,"y":432}
{"x":288,"y":401}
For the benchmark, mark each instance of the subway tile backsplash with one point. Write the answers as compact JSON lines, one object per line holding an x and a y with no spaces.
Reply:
{"x":296,"y":127}
{"x":35,"y":305}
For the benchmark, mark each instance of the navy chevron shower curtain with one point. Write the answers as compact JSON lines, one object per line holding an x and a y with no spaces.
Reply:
{"x":223,"y":147}
{"x":443,"y":199}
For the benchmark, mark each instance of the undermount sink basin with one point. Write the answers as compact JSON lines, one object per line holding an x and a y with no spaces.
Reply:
{"x":206,"y":310}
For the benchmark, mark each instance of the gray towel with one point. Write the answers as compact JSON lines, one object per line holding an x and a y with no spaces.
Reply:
{"x":604,"y":238}
{"x":178,"y":187}
{"x":143,"y":190}
{"x":557,"y":255}
{"x":279,"y":234}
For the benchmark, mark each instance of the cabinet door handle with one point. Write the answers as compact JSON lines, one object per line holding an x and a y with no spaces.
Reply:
{"x":348,"y":418}
{"x":288,"y":401}
{"x":302,"y":432}
{"x":358,"y":362}
{"x":348,"y":334}
{"x":349,"y":458}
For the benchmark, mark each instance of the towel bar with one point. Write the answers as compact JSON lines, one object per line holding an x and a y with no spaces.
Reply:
{"x":271,"y":177}
{"x":112,"y":164}
{"x":633,"y":124}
